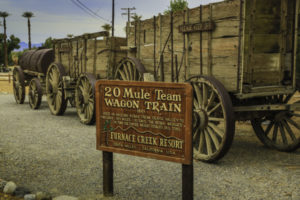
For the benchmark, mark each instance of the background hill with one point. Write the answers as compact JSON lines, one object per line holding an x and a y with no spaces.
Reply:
{"x":24,"y":45}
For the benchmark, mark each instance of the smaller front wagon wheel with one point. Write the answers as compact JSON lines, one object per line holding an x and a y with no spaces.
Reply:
{"x":35,"y":93}
{"x":19,"y":85}
{"x":85,"y":98}
{"x":213,"y":119}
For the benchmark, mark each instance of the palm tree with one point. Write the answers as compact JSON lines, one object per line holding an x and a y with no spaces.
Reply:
{"x":4,"y":15}
{"x":106,"y":27}
{"x":136,"y":17}
{"x":28,"y":15}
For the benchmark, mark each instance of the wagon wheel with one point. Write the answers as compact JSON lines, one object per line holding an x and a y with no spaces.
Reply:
{"x":213,"y":119}
{"x":129,"y":69}
{"x":19,"y":85}
{"x":35,"y":93}
{"x":85,"y":98}
{"x":277,"y":99}
{"x":279,"y":130}
{"x":55,"y":90}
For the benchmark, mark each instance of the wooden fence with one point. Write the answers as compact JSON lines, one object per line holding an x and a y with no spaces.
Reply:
{"x":6,"y":77}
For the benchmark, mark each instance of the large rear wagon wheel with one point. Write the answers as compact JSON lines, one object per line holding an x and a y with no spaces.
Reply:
{"x":85,"y":98}
{"x":35,"y":93}
{"x":279,"y":130}
{"x":55,"y":90}
{"x":213,"y":119}
{"x":19,"y":85}
{"x":129,"y":69}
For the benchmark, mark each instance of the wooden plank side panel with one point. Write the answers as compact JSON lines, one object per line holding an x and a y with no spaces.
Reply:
{"x":224,"y":45}
{"x":262,"y":43}
{"x":220,"y":10}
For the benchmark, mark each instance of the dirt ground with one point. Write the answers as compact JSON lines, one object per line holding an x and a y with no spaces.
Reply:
{"x":6,"y":87}
{"x":43,"y":152}
{"x":60,"y":157}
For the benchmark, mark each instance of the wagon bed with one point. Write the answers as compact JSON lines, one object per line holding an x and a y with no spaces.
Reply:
{"x":240,"y":57}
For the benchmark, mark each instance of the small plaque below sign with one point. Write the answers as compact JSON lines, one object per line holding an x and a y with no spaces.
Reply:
{"x":148,"y":119}
{"x":199,"y":27}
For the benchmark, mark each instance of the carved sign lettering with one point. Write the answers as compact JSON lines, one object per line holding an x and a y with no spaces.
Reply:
{"x":145,"y":119}
{"x":204,"y":26}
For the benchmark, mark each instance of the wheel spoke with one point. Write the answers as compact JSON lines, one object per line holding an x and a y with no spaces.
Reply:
{"x":284,"y":140}
{"x":196,"y":133}
{"x":216,"y":119}
{"x":134,"y":71}
{"x":91,"y":100}
{"x":198,"y":95}
{"x":214,"y":108}
{"x":289,"y":130}
{"x":204,"y":91}
{"x":85,"y":112}
{"x":275,"y":131}
{"x":208,"y":143}
{"x":91,"y":109}
{"x":82,"y":108}
{"x":81,"y":88}
{"x":58,"y":100}
{"x":210,"y":100}
{"x":292,"y":122}
{"x":213,"y":137}
{"x":201,"y":142}
{"x":271,"y":124}
{"x":196,"y":105}
{"x":123,"y":76}
{"x":51,"y":78}
{"x":56,"y":75}
{"x":216,"y":129}
{"x":131,"y":77}
{"x":125,"y":69}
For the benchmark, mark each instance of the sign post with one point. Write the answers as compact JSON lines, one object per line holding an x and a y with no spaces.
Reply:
{"x":147,"y":119}
{"x":108,"y":173}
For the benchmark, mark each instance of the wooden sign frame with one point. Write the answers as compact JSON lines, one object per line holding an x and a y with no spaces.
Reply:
{"x":149,"y":91}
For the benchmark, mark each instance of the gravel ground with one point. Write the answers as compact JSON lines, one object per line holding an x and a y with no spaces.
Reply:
{"x":58,"y":155}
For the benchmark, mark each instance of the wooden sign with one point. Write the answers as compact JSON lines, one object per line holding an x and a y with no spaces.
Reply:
{"x":198,"y":27}
{"x":149,"y":119}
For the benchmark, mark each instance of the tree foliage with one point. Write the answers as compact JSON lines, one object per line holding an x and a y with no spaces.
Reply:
{"x":4,"y":14}
{"x":27,"y":14}
{"x":70,"y":35}
{"x":48,"y":43}
{"x":176,"y":5}
{"x":106,"y":27}
{"x":12,"y":43}
{"x":136,"y":17}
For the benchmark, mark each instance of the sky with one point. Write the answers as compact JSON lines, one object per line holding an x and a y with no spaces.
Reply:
{"x":57,"y":18}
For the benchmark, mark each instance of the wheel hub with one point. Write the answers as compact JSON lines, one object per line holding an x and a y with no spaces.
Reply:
{"x":279,"y":116}
{"x":85,"y":97}
{"x":202,"y":118}
{"x":54,"y":89}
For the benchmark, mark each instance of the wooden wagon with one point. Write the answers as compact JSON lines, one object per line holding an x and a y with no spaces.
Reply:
{"x":239,"y":56}
{"x":68,"y":72}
